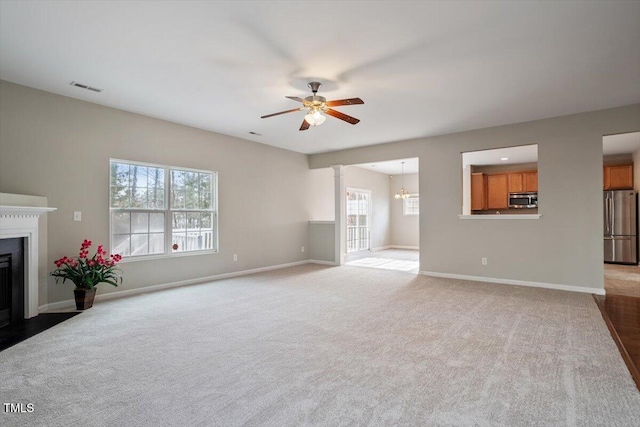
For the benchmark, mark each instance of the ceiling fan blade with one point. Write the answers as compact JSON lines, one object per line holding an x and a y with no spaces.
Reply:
{"x":351,"y":101}
{"x":305,"y":125}
{"x":295,"y":98}
{"x":341,"y":116}
{"x":281,"y":112}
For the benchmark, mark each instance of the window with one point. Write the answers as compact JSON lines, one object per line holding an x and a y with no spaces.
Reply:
{"x":411,"y":206}
{"x":158,"y":210}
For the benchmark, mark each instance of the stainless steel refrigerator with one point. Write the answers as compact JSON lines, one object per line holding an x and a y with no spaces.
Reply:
{"x":620,"y":224}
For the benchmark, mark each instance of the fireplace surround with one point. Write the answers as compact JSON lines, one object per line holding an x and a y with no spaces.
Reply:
{"x":22,"y":222}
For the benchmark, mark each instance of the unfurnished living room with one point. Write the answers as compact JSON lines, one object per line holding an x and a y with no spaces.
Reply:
{"x":290,"y":213}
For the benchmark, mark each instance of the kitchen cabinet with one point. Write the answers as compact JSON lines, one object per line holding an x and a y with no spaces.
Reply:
{"x":516,"y":183}
{"x":497,"y":191}
{"x":478,"y":192}
{"x":618,"y":177}
{"x":530,"y":182}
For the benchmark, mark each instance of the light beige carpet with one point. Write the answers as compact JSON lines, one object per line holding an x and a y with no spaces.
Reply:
{"x":315,"y":345}
{"x":622,"y":280}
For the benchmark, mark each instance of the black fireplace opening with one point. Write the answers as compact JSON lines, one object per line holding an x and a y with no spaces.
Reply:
{"x":11,"y":281}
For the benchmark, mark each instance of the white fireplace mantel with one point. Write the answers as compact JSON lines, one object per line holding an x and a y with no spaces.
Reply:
{"x":22,"y":221}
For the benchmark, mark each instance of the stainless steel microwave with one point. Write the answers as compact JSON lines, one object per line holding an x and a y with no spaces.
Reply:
{"x":523,"y":200}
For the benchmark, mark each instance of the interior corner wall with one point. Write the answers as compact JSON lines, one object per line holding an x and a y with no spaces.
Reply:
{"x":636,"y":170}
{"x":563,"y":247}
{"x":322,"y":204}
{"x":405,"y":229}
{"x":380,"y":187}
{"x":60,"y":148}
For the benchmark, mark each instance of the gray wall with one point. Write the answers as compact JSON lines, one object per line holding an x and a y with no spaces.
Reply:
{"x":380,"y":187}
{"x":322,"y":241}
{"x":59,"y":147}
{"x":563,"y":247}
{"x":405,"y":229}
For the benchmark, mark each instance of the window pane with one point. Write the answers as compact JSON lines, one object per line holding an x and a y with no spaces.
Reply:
{"x":177,"y":179}
{"x":156,"y":243}
{"x":179,"y":239}
{"x":205,"y":200}
{"x":156,"y":199}
{"x":138,"y":176}
{"x":119,"y":197}
{"x":156,"y":222}
{"x":205,"y":182}
{"x":139,"y":198}
{"x":139,"y":223}
{"x":206,"y":220}
{"x":121,"y":244}
{"x":193,"y":221}
{"x":178,"y":198}
{"x":139,"y":244}
{"x":155,"y":178}
{"x":120,"y":223}
{"x":179,"y":221}
{"x":120,"y":174}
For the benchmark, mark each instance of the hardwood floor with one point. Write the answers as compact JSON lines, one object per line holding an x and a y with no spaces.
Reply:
{"x":621,"y":311}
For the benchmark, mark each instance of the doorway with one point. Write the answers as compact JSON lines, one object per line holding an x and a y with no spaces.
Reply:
{"x":358,"y":220}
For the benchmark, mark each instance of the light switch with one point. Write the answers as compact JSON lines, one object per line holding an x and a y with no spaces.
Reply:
{"x":77,"y":216}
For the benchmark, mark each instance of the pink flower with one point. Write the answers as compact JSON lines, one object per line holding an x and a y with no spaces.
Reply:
{"x":91,"y":263}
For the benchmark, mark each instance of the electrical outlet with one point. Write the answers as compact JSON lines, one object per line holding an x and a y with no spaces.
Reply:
{"x":484,"y":261}
{"x":235,"y":257}
{"x":302,"y":249}
{"x":77,"y":216}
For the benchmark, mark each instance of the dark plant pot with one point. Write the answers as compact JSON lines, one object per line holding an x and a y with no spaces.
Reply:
{"x":84,"y":298}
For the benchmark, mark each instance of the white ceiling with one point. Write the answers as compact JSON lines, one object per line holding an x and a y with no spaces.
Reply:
{"x":422,"y":68}
{"x":392,"y":167}
{"x":624,"y":143}
{"x":513,"y":155}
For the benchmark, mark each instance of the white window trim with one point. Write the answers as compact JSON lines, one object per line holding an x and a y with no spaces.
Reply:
{"x":167,"y":211}
{"x":411,"y":196}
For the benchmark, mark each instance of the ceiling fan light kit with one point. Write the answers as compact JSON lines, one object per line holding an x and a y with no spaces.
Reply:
{"x":316,"y":105}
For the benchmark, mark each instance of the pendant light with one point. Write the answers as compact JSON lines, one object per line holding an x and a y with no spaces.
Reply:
{"x":402,"y":194}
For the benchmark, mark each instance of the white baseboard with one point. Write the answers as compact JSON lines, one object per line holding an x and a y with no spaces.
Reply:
{"x":129,"y":292}
{"x":380,"y":248}
{"x":321,"y":262}
{"x":416,"y":248}
{"x":516,"y":282}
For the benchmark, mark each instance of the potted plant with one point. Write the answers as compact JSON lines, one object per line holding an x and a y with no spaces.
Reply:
{"x":88,"y":272}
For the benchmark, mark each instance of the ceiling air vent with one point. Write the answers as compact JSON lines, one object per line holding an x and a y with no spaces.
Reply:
{"x":81,"y":86}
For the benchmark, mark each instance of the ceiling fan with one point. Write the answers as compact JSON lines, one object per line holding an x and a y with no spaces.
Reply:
{"x":316,"y":105}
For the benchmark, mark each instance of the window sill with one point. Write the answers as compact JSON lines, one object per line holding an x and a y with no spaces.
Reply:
{"x":503,"y":216}
{"x":166,"y":256}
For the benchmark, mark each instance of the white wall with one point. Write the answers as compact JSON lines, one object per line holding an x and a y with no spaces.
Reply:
{"x":60,"y":147}
{"x":563,"y":247}
{"x":380,"y":187}
{"x":405,"y":229}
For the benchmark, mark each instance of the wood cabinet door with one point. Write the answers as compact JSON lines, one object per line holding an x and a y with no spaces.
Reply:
{"x":478,"y":193}
{"x":516,"y":184}
{"x":530,"y":181}
{"x":619,"y":177}
{"x":497,"y":191}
